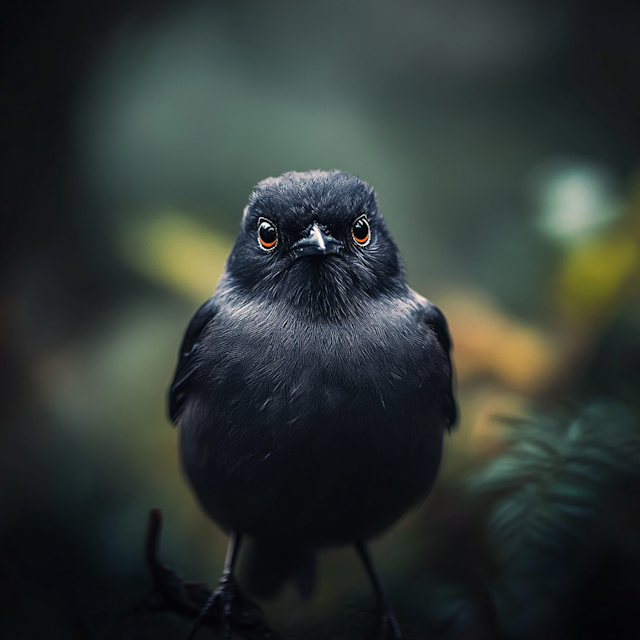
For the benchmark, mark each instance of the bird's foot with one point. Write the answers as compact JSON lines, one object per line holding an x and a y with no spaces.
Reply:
{"x":230,"y":611}
{"x":386,"y":626}
{"x":195,"y":600}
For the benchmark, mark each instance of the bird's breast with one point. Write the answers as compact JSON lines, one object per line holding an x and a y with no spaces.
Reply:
{"x":328,"y":418}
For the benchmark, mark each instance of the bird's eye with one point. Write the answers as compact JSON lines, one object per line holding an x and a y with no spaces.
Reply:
{"x":361,"y":231}
{"x":267,"y":234}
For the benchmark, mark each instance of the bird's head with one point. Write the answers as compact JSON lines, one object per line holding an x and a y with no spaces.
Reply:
{"x":317,"y":241}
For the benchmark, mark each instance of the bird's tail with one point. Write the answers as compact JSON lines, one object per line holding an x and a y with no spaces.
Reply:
{"x":268,"y":566}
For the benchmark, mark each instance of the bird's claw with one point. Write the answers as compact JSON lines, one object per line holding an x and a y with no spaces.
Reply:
{"x":229,"y":611}
{"x":386,"y":626}
{"x":225,"y":609}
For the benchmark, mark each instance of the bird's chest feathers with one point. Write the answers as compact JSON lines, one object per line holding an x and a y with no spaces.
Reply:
{"x":267,"y":366}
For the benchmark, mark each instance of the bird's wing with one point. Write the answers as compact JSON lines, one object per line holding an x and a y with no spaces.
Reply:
{"x":435,"y":320}
{"x":186,"y":362}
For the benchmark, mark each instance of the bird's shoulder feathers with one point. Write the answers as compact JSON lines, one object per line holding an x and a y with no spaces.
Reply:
{"x":434,"y":319}
{"x":186,"y":361}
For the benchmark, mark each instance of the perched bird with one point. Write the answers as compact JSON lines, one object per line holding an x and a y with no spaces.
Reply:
{"x":313,"y":389}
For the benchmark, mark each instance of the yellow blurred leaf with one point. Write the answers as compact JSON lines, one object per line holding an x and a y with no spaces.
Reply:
{"x":487,"y":341}
{"x":177,"y":250}
{"x":595,"y":272}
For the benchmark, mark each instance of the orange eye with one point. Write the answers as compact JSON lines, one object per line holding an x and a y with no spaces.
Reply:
{"x":267,"y":234}
{"x":361,"y":231}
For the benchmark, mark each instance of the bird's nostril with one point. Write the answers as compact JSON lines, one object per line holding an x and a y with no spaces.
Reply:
{"x":317,"y":242}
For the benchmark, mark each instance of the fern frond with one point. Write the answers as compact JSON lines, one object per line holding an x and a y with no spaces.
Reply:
{"x":551,"y":497}
{"x":558,"y":473}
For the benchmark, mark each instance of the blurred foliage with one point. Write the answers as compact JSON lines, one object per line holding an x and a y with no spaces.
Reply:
{"x":595,"y":272}
{"x":561,"y":497}
{"x":176,"y":250}
{"x":600,"y":271}
{"x":491,"y":342}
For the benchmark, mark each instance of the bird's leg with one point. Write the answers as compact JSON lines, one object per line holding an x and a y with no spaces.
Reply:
{"x":227,"y":605}
{"x":387,"y":627}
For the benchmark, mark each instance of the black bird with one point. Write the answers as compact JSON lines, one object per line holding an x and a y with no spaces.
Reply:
{"x":313,"y":389}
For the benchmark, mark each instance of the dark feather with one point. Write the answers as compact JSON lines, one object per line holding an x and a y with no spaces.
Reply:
{"x":312,"y":409}
{"x":186,"y":362}
{"x":269,"y":565}
{"x":435,"y":320}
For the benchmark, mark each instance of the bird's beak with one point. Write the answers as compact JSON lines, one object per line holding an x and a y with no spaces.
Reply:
{"x":317,"y":243}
